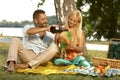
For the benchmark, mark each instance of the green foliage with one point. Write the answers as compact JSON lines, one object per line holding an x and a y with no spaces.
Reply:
{"x":40,"y":3}
{"x":52,"y":20}
{"x":16,"y":24}
{"x":103,"y":17}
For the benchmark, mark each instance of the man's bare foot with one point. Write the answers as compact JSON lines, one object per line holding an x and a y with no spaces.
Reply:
{"x":22,"y":66}
{"x":11,"y":67}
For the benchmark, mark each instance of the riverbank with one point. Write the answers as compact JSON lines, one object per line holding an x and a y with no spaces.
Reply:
{"x":101,"y":46}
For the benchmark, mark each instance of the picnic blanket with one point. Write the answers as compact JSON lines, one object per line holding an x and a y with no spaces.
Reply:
{"x":50,"y":68}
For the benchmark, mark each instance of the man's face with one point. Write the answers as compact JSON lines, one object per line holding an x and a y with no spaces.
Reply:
{"x":41,"y":20}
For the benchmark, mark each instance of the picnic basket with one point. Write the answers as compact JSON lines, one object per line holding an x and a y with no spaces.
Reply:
{"x":114,"y":49}
{"x":113,"y":63}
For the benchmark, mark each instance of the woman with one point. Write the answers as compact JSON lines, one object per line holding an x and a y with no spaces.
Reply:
{"x":72,"y":43}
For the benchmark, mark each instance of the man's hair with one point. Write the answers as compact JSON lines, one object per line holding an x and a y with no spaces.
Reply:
{"x":37,"y":12}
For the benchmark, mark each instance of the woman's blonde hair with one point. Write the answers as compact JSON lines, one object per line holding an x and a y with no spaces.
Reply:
{"x":79,"y":26}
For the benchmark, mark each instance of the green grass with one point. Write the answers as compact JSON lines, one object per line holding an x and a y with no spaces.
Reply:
{"x":20,"y":76}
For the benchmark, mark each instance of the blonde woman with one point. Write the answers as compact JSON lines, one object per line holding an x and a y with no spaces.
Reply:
{"x":72,"y":43}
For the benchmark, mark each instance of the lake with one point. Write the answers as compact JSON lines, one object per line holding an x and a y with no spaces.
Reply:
{"x":11,"y":32}
{"x":17,"y":32}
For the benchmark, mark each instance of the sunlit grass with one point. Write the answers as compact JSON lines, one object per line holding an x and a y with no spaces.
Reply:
{"x":19,"y":76}
{"x":95,"y":53}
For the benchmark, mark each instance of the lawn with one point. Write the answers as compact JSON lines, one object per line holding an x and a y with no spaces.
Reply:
{"x":20,"y":76}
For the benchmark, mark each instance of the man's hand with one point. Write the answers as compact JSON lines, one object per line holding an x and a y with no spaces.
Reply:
{"x":49,"y":27}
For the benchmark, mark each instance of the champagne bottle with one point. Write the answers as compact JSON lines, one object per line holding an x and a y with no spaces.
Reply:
{"x":57,"y":29}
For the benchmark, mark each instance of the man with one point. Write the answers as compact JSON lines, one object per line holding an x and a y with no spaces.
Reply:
{"x":38,"y":45}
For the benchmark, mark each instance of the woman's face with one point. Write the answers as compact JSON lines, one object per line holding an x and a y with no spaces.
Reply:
{"x":72,"y":21}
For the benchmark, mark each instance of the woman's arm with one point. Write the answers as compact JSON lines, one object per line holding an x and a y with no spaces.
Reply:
{"x":57,"y":37}
{"x":79,"y":47}
{"x":81,"y":43}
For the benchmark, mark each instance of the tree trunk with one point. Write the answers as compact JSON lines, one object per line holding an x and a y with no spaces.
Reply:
{"x":63,"y":7}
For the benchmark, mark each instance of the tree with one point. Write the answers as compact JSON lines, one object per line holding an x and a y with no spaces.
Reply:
{"x":40,"y":3}
{"x":103,"y":17}
{"x":63,"y":7}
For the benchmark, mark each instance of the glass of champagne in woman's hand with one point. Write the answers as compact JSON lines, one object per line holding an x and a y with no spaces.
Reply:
{"x":70,"y":46}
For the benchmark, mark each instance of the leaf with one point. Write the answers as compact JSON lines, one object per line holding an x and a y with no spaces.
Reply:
{"x":69,"y":34}
{"x":63,"y":46}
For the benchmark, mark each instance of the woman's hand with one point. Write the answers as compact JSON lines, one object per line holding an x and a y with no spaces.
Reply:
{"x":70,"y":46}
{"x":74,"y":48}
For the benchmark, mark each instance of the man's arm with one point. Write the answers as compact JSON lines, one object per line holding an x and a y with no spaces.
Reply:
{"x":35,"y":30}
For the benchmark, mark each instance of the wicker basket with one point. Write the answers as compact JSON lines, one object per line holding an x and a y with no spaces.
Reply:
{"x":114,"y":49}
{"x":113,"y":63}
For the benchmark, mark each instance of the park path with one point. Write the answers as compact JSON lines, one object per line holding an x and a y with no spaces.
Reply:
{"x":99,"y":47}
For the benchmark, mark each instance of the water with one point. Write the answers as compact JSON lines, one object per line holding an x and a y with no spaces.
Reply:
{"x":5,"y":31}
{"x":11,"y":32}
{"x":5,"y":39}
{"x":8,"y":39}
